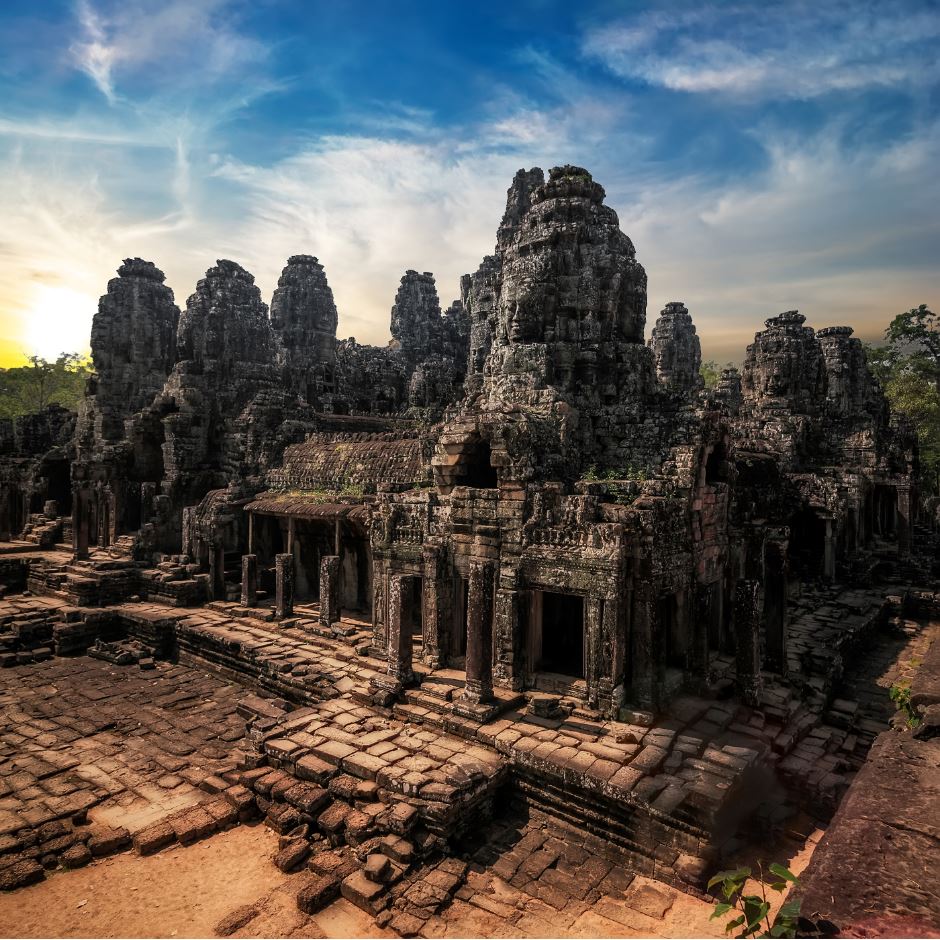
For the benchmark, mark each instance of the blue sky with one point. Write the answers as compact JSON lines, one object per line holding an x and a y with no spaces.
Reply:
{"x":761,"y":156}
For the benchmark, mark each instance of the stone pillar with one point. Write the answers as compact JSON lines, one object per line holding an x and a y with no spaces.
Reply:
{"x":510,"y":613}
{"x":593,"y":666}
{"x":904,"y":519}
{"x":643,"y":671}
{"x":775,"y":605}
{"x":747,"y":640}
{"x":479,"y":684}
{"x":188,"y":514}
{"x":379,"y":607}
{"x":329,"y":590}
{"x":79,"y":523}
{"x":400,"y":651}
{"x":436,"y":605}
{"x":148,"y":491}
{"x":829,"y":554}
{"x":703,"y":596}
{"x":249,"y":580}
{"x":216,"y":572}
{"x":284,"y":585}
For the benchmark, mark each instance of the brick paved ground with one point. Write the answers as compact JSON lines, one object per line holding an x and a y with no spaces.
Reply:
{"x":123,"y":745}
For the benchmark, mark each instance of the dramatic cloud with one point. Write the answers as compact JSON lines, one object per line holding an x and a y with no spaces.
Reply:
{"x":174,"y":43}
{"x":795,"y":50}
{"x":201,"y":136}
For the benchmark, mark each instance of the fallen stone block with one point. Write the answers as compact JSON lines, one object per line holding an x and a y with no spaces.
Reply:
{"x":154,"y":838}
{"x":222,"y":812}
{"x":317,"y":893}
{"x":77,"y":856}
{"x":108,"y":841}
{"x":365,"y":894}
{"x":335,"y":863}
{"x":293,"y":855}
{"x":377,"y":868}
{"x":192,"y":825}
{"x":27,"y":871}
{"x":307,"y":798}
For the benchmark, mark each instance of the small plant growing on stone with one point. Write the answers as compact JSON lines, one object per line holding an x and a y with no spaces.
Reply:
{"x":900,"y":694}
{"x":752,"y":911}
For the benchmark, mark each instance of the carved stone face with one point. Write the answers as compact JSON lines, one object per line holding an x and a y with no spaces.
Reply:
{"x":524,"y":318}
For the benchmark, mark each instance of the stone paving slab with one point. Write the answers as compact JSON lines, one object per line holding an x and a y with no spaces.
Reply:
{"x":82,"y":739}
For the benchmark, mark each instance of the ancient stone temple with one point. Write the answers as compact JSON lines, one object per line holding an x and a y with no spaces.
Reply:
{"x":519,"y":550}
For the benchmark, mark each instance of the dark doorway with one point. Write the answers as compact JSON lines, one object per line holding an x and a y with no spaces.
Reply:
{"x":478,"y":470}
{"x":886,"y":502}
{"x":716,"y":467}
{"x":458,"y":645}
{"x":415,"y":607}
{"x":562,"y":635}
{"x":671,"y":636}
{"x":807,"y":543}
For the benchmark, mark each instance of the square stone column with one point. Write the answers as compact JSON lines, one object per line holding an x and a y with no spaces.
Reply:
{"x":216,"y":572}
{"x":596,"y":667}
{"x":747,"y":640}
{"x":643,"y":678}
{"x":249,"y":580}
{"x":79,"y":523}
{"x":702,"y":600}
{"x":479,"y":663}
{"x":284,"y":585}
{"x":400,"y":645}
{"x":329,"y":590}
{"x":903,"y":519}
{"x":437,"y":611}
{"x":775,"y":605}
{"x":829,"y":552}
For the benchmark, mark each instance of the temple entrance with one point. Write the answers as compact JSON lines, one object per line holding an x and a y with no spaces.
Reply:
{"x":477,"y":468}
{"x":268,"y":540}
{"x":559,"y":639}
{"x":413,"y":605}
{"x":717,"y":638}
{"x":672,"y":636}
{"x":885,"y":504}
{"x":716,"y":467}
{"x":807,"y":551}
{"x":355,"y":572}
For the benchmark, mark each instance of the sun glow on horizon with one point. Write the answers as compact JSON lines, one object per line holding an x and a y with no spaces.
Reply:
{"x":56,"y":320}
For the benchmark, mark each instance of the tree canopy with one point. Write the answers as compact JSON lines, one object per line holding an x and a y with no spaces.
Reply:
{"x":908,"y":366}
{"x":30,"y":388}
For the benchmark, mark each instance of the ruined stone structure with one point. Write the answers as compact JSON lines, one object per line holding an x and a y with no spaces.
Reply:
{"x":519,"y":506}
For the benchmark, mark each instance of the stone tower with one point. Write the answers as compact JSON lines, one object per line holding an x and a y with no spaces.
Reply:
{"x":304,"y":319}
{"x":133,"y":348}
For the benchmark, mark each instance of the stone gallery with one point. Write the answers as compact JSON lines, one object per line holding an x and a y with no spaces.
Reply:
{"x":517,"y":575}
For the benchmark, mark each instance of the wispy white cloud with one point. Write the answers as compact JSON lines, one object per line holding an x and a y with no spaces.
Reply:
{"x":790,"y":50}
{"x":173,"y":42}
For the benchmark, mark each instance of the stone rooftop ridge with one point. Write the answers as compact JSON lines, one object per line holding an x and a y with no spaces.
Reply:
{"x":787,"y":318}
{"x":570,"y":182}
{"x":138,"y":267}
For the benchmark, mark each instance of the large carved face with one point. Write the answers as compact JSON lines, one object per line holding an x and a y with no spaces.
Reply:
{"x":524,"y":320}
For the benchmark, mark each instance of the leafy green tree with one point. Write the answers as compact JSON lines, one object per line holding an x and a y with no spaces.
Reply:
{"x":908,"y":367}
{"x":710,"y":371}
{"x":916,"y":333}
{"x":30,"y":388}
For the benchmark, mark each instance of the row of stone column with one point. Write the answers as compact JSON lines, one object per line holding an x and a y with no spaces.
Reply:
{"x":479,"y":653}
{"x":284,"y":586}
